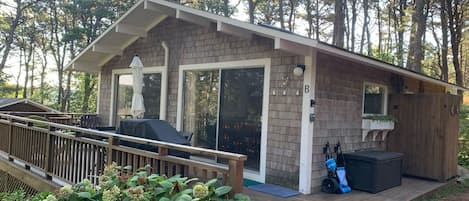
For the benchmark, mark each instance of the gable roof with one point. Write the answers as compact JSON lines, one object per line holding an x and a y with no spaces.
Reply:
{"x":5,"y":102}
{"x":146,"y":14}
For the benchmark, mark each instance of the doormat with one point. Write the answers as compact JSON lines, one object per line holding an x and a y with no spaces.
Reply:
{"x":274,"y":190}
{"x":248,"y":182}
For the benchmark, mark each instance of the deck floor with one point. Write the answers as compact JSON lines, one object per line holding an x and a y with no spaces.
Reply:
{"x":410,"y":189}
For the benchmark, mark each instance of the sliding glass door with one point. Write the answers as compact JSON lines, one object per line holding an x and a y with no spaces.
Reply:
{"x":223,"y":109}
{"x":151,"y":96}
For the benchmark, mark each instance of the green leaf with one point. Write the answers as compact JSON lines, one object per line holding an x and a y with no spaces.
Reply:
{"x":164,"y":199}
{"x":212,"y":182}
{"x":191,"y":180}
{"x":242,"y":197}
{"x":166,"y":184}
{"x":84,"y":195}
{"x":184,"y":197}
{"x":222,"y":190}
{"x":187,"y":191}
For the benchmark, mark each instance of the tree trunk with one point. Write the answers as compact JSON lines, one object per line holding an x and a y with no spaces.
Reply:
{"x":281,"y":14}
{"x":380,"y":33}
{"x":415,"y":55}
{"x":11,"y":33}
{"x":317,"y":21}
{"x":354,"y":22}
{"x":251,"y":9}
{"x":365,"y":25}
{"x":309,"y":17}
{"x":400,"y":32}
{"x":338,"y":35}
{"x":31,"y":84}
{"x":455,"y":11}
{"x":444,"y":40}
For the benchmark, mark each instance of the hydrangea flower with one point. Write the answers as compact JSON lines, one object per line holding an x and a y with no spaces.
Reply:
{"x":135,"y":194}
{"x":111,"y":194}
{"x":200,"y":191}
{"x":65,"y":192}
{"x":50,"y":198}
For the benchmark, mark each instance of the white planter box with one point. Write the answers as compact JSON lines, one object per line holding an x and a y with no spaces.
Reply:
{"x":376,"y":128}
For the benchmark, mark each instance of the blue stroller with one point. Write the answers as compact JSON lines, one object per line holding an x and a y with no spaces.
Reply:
{"x":336,"y":181}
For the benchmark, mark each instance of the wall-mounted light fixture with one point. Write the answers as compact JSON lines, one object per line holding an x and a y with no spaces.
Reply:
{"x":299,"y":70}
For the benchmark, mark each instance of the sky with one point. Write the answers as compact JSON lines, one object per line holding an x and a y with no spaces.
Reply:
{"x":13,"y":62}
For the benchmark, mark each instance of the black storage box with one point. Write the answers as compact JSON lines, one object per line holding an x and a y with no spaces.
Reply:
{"x":373,"y":171}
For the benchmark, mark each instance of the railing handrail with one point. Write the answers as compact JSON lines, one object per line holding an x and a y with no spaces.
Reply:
{"x":46,"y":113}
{"x":184,"y":148}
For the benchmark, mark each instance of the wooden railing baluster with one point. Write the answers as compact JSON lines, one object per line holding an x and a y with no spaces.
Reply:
{"x":60,"y":153}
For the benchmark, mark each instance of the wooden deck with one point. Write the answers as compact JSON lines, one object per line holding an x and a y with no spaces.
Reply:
{"x":410,"y":189}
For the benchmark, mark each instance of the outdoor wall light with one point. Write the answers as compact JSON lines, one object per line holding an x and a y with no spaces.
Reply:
{"x":299,"y":70}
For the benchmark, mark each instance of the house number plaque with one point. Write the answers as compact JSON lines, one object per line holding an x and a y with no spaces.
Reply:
{"x":307,"y":88}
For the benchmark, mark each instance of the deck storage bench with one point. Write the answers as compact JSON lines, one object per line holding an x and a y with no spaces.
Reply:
{"x":373,"y":171}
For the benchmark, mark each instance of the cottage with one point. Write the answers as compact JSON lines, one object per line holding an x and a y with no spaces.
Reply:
{"x":274,"y":96}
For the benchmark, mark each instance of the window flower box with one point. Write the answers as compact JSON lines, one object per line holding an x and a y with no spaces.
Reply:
{"x":376,"y":128}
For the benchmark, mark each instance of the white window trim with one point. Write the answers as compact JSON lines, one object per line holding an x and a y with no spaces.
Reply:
{"x":385,"y":101}
{"x":254,"y":63}
{"x":146,"y":70}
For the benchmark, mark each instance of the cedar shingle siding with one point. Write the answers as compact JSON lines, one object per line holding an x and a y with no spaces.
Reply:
{"x":193,"y":44}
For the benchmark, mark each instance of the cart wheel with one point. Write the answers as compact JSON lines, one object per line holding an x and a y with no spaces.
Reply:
{"x":329,"y":185}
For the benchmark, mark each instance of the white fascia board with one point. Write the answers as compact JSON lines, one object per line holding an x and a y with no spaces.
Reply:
{"x":292,"y":47}
{"x":233,"y":30}
{"x":384,"y":66}
{"x":188,"y":17}
{"x":159,"y":8}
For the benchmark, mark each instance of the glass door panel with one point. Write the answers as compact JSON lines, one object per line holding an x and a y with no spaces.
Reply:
{"x":124,"y":97}
{"x":151,"y":96}
{"x":240,"y":125}
{"x":223,"y":109}
{"x":201,"y":107}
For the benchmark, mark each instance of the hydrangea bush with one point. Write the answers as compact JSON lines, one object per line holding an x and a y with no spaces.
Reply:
{"x":143,"y":187}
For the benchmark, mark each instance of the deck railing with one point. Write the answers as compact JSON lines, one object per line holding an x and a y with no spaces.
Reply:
{"x":56,"y":150}
{"x":73,"y":119}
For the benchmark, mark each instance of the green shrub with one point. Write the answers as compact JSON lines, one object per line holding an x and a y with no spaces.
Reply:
{"x":463,"y":155}
{"x":143,"y":187}
{"x":20,"y":195}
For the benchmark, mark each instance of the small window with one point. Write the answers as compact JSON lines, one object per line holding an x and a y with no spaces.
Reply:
{"x":375,"y":99}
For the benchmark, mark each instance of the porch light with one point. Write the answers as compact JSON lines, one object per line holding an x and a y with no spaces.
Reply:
{"x":299,"y":70}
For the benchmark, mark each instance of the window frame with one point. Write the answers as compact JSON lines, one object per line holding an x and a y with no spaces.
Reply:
{"x":384,"y":101}
{"x":146,"y":70}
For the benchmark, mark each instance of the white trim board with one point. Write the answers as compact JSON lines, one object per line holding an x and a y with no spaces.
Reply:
{"x":254,"y":63}
{"x":146,"y":70}
{"x":307,"y":126}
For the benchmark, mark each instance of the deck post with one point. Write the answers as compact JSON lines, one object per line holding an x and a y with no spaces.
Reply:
{"x":10,"y":138}
{"x":48,"y":165}
{"x":112,"y":141}
{"x":235,"y":178}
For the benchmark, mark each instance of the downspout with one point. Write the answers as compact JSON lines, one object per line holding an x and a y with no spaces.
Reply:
{"x":164,"y":81}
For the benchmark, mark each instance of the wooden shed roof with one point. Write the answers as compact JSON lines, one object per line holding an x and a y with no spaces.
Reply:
{"x":146,"y":14}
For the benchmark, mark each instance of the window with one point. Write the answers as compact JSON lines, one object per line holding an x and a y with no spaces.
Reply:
{"x":152,"y":91}
{"x":374,"y":99}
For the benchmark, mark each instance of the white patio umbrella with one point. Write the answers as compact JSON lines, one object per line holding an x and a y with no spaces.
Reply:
{"x":138,"y":108}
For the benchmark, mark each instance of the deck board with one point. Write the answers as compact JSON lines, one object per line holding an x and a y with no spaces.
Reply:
{"x":410,"y":189}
